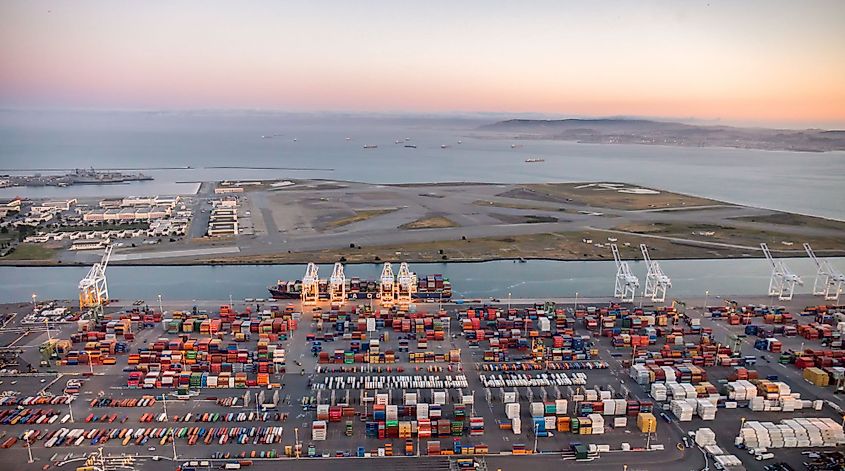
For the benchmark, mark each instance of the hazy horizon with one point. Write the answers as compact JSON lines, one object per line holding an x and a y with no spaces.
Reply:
{"x":755,"y":63}
{"x":480,"y":117}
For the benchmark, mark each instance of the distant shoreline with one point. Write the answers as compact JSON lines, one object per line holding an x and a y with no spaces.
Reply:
{"x":304,"y":261}
{"x":227,"y":167}
{"x":673,"y":134}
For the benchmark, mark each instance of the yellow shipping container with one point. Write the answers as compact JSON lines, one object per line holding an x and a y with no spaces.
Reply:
{"x":646,"y":422}
{"x":816,"y":376}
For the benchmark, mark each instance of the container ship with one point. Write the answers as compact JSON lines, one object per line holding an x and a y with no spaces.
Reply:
{"x":434,"y":287}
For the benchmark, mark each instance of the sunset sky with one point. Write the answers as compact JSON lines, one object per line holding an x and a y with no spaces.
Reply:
{"x":750,"y":62}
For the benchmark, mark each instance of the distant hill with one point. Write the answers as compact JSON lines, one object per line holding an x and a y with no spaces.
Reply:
{"x":643,"y":131}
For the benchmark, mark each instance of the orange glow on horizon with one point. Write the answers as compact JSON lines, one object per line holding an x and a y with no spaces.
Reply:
{"x":750,"y":62}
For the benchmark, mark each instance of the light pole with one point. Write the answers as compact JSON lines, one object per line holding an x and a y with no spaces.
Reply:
{"x":70,"y":409}
{"x":231,"y":305}
{"x":576,"y":301}
{"x":29,"y":451}
{"x":509,"y":301}
{"x":706,"y":294}
{"x":167,"y":418}
{"x":160,"y":308}
{"x":296,"y":448}
{"x":536,"y":428}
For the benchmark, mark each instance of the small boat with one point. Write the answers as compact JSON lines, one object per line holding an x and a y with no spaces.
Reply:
{"x":444,"y":146}
{"x":370,"y":146}
{"x":534,"y":161}
{"x":397,"y":141}
{"x":410,"y":146}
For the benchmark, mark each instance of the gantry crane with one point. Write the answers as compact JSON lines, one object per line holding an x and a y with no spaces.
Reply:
{"x":829,"y":281}
{"x":337,"y":285}
{"x":626,"y":283}
{"x":310,"y":286}
{"x":783,"y":281}
{"x":387,"y":286}
{"x":406,"y":282}
{"x":656,"y":282}
{"x":93,"y":289}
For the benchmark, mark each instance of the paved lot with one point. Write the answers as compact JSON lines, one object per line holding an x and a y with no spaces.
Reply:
{"x":110,"y":382}
{"x":301,"y":218}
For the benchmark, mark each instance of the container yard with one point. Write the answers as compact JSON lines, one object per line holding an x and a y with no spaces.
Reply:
{"x":735,"y":383}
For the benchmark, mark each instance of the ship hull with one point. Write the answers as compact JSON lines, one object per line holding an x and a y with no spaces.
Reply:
{"x":276,"y":293}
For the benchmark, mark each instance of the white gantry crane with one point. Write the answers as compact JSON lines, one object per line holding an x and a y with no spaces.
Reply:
{"x":310,"y":286}
{"x":656,"y":282}
{"x":387,"y":286}
{"x":337,"y":285}
{"x":626,"y":283}
{"x":783,"y":281}
{"x":829,"y":281}
{"x":406,"y":282}
{"x":93,"y":289}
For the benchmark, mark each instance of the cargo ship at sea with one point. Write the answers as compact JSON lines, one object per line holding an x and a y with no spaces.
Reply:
{"x":434,"y":287}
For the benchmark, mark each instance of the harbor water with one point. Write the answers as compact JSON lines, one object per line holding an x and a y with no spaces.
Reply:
{"x":532,"y":279}
{"x":218,"y":146}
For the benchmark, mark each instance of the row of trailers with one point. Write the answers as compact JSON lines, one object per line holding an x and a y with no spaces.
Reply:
{"x":393,"y":290}
{"x":829,"y":281}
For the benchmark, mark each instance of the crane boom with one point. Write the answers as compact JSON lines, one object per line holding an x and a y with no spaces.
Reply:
{"x":93,"y":288}
{"x":337,"y":285}
{"x":310,"y":285}
{"x":829,"y":281}
{"x":782,"y":281}
{"x":387,"y":285}
{"x":406,"y":285}
{"x":626,"y":283}
{"x":768,"y":255}
{"x":656,"y":282}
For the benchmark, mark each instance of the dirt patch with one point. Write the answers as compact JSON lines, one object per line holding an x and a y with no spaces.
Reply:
{"x":433,"y":222}
{"x":748,"y":237}
{"x":527,"y":207}
{"x":523,"y":219}
{"x":578,"y":245}
{"x":359,"y":216}
{"x":787,"y":219}
{"x":606,"y":195}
